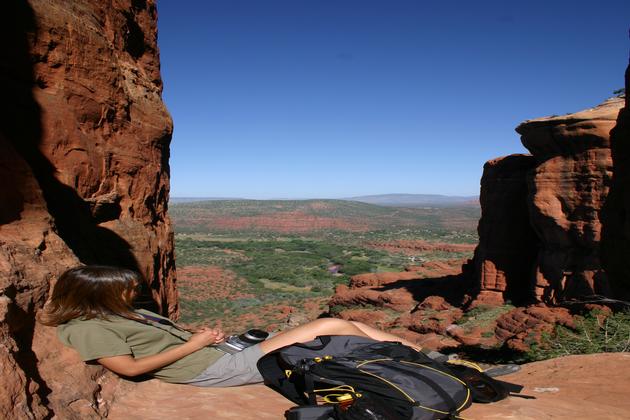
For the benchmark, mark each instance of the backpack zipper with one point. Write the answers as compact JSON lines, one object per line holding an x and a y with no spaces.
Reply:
{"x":373,"y":360}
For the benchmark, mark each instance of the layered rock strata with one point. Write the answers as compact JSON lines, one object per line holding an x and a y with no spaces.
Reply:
{"x":540,"y":233}
{"x":507,"y":243}
{"x":84,"y":147}
{"x":567,"y":192}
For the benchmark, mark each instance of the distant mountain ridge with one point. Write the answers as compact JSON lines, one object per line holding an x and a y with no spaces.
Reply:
{"x":417,"y":200}
{"x":387,"y":200}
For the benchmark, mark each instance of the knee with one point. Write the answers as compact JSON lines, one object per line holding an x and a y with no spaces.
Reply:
{"x":331,"y":326}
{"x":332,"y":322}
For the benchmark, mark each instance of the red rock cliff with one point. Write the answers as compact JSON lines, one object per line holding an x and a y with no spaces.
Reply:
{"x":507,"y":243}
{"x":567,"y":188}
{"x":567,"y":191}
{"x":84,"y":147}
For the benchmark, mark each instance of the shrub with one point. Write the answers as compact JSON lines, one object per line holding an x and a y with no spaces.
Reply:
{"x":593,"y":334}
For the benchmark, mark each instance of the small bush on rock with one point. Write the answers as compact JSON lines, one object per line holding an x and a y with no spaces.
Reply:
{"x":593,"y":333}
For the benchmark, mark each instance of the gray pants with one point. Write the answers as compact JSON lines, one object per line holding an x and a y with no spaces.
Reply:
{"x":231,"y":370}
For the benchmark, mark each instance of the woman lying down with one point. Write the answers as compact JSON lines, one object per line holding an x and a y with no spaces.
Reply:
{"x":91,"y":306}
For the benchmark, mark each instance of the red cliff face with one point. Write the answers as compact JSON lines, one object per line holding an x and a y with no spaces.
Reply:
{"x":540,"y":234}
{"x":567,"y":192}
{"x":541,"y":226}
{"x":507,"y":243}
{"x":84,"y":147}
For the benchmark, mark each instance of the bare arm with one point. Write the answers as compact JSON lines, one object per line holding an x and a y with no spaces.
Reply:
{"x":128,"y":365}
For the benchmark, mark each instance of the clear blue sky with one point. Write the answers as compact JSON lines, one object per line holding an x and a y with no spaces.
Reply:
{"x":335,"y":98}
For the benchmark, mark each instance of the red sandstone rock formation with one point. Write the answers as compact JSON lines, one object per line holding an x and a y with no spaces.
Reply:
{"x":521,"y":327}
{"x":407,"y":303}
{"x":541,"y":228}
{"x":84,"y":140}
{"x":539,"y":240}
{"x":507,"y":243}
{"x":567,"y":191}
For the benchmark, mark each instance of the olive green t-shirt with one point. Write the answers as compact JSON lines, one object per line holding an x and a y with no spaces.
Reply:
{"x":96,"y":338}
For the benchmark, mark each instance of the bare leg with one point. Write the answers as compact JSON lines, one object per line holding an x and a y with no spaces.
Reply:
{"x":383,"y":336}
{"x":327,"y":326}
{"x":308,"y":332}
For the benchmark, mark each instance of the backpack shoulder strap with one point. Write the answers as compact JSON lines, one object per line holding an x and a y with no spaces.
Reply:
{"x":280,"y":380}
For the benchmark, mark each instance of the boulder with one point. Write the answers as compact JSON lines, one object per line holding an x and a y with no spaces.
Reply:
{"x":399,"y":299}
{"x":522,"y":327}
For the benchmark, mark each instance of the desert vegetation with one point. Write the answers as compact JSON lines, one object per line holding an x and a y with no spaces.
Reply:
{"x":267,"y":264}
{"x":594,"y":332}
{"x":252,"y":263}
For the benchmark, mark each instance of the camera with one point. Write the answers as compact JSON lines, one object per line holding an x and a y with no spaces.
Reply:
{"x":236,"y":343}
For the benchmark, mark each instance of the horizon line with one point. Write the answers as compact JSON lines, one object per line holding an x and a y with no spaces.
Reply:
{"x":346,"y":197}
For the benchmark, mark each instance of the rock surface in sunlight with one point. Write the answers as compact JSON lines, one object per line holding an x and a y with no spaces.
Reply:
{"x":567,"y":192}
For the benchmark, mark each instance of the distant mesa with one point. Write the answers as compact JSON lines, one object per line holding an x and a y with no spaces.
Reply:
{"x":418,"y":200}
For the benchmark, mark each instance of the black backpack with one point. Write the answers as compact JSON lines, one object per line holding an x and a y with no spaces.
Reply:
{"x":360,"y":378}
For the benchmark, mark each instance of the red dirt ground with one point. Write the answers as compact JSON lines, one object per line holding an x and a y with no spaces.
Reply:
{"x":286,"y":222}
{"x":412,"y":247}
{"x":211,"y":282}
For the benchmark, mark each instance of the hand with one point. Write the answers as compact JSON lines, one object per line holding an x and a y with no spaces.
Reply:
{"x":206,"y":337}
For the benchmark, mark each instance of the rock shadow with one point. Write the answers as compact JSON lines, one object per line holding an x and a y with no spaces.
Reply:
{"x":24,"y":169}
{"x":453,"y":288}
{"x":615,"y":213}
{"x":76,"y":220}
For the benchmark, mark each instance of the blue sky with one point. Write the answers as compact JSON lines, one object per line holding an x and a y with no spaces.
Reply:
{"x":338,"y":98}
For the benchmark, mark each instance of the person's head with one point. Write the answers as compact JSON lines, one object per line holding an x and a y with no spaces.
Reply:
{"x":92,"y":291}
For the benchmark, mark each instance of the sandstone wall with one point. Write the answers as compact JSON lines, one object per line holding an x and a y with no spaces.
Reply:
{"x":507,"y":243}
{"x":84,"y":148}
{"x":567,"y":187}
